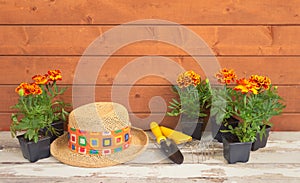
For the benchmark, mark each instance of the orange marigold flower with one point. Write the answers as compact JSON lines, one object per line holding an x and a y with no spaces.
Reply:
{"x":35,"y":89}
{"x":39,"y":79}
{"x":245,"y":86}
{"x":195,"y":77}
{"x":242,"y":81}
{"x":24,"y":89}
{"x":260,"y":81}
{"x":54,"y":75}
{"x":226,"y":76}
{"x":21,"y":86}
{"x":188,"y":78}
{"x":183,"y":81}
{"x":241,"y":88}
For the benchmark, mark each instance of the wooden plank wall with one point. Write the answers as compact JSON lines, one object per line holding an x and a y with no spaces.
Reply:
{"x":250,"y":36}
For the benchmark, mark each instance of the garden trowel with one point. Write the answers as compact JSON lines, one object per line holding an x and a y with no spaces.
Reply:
{"x":168,"y":147}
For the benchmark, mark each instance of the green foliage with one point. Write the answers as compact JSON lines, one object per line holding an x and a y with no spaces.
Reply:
{"x":35,"y":112}
{"x":244,"y":131}
{"x":193,"y":100}
{"x":254,"y":101}
{"x":222,"y":106}
{"x":254,"y":110}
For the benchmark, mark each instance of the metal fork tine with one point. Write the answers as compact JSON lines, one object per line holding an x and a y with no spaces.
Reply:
{"x":201,"y":150}
{"x":192,"y":154}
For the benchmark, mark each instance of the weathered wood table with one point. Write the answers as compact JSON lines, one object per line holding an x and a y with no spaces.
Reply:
{"x":278,"y":162}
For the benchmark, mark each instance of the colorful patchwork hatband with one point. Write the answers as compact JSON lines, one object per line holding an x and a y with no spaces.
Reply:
{"x":98,"y":143}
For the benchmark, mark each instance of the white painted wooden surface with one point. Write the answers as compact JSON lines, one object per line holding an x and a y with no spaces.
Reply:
{"x":278,"y":162}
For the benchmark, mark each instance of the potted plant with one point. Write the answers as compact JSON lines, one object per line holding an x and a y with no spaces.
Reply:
{"x":37,"y":108}
{"x":222,"y":104}
{"x":254,"y":101}
{"x":195,"y":96}
{"x":265,"y":104}
{"x":237,"y":143}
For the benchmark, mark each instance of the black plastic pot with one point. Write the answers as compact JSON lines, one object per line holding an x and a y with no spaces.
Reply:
{"x":35,"y":151}
{"x":192,"y":127}
{"x":261,"y":143}
{"x":235,"y":151}
{"x":216,"y":129}
{"x":59,"y":127}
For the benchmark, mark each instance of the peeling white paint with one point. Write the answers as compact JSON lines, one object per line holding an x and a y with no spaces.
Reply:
{"x":159,"y":171}
{"x":280,"y":160}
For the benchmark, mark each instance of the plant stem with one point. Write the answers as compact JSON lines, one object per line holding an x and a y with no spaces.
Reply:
{"x":25,"y":106}
{"x":245,"y":100}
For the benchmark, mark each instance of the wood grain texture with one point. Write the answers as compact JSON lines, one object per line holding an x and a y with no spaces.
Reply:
{"x":277,"y":162}
{"x":284,"y":122}
{"x":223,"y":40}
{"x":260,"y":37}
{"x":139,"y":97}
{"x":116,"y":12}
{"x":281,"y":70}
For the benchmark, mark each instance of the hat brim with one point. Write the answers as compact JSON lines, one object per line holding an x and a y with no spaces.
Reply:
{"x":60,"y":150}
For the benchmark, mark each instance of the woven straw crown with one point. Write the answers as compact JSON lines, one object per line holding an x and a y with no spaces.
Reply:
{"x":99,"y":117}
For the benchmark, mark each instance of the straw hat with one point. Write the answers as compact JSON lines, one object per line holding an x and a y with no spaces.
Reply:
{"x":100,"y":135}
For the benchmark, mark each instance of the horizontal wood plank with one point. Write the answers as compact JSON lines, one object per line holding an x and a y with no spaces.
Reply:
{"x":223,"y":40}
{"x":116,"y":12}
{"x":284,"y":122}
{"x":186,"y":173}
{"x":136,"y":98}
{"x":140,"y":120}
{"x":245,"y":35}
{"x":281,"y":70}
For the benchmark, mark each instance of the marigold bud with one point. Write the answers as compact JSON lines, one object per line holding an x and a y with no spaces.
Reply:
{"x":207,"y":80}
{"x":21,"y":92}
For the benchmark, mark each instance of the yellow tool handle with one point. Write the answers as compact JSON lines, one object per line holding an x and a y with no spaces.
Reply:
{"x":176,"y":136}
{"x":156,"y":131}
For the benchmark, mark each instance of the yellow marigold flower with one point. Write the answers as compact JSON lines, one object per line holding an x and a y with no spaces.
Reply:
{"x":226,"y":76}
{"x":245,"y":86}
{"x":188,"y":78}
{"x":241,"y":88}
{"x":253,"y":90}
{"x":54,"y":75}
{"x":39,"y":79}
{"x":261,"y":81}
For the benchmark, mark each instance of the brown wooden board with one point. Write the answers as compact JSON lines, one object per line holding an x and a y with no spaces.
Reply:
{"x":284,"y":122}
{"x":138,"y":99}
{"x":253,"y":37}
{"x":116,"y":12}
{"x":223,"y":40}
{"x":281,"y":70}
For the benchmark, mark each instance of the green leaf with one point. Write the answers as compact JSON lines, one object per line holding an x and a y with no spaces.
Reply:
{"x":35,"y":139}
